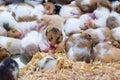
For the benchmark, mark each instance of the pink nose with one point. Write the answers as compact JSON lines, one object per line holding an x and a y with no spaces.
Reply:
{"x":49,"y":13}
{"x":92,"y":15}
{"x":21,"y":34}
{"x":54,"y":45}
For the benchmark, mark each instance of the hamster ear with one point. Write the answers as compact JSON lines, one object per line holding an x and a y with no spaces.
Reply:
{"x":6,"y":26}
{"x":105,"y":3}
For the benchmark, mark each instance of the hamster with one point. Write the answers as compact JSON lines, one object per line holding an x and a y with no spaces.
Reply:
{"x":9,"y":69}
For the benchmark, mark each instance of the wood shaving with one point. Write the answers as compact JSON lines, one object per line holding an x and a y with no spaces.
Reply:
{"x":69,"y":70}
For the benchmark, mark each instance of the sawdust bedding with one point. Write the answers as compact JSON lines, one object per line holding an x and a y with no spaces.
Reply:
{"x":69,"y":70}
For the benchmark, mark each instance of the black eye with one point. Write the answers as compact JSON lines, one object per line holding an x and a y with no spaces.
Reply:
{"x":89,"y":36}
{"x":13,"y":31}
{"x":59,"y":39}
{"x":51,"y":39}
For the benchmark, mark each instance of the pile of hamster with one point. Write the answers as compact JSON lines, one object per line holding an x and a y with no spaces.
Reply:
{"x":86,"y":30}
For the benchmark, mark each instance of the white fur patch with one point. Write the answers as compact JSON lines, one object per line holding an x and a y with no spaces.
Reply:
{"x":116,"y":33}
{"x":100,"y":34}
{"x":11,"y":44}
{"x":73,"y":2}
{"x":31,"y":38}
{"x":101,"y":22}
{"x":43,"y":43}
{"x":38,"y":11}
{"x":1,"y":64}
{"x":72,"y":24}
{"x":76,"y":25}
{"x":47,"y":63}
{"x":22,"y":11}
{"x":25,"y":27}
{"x":86,"y":2}
{"x":101,"y":12}
{"x":3,"y":8}
{"x":73,"y":36}
{"x":67,"y":11}
{"x":3,"y":41}
{"x":15,"y":73}
{"x":33,"y":2}
{"x":20,"y":63}
{"x":6,"y":17}
{"x":3,"y":32}
{"x":101,"y":50}
{"x":115,"y":3}
{"x":79,"y":51}
{"x":116,"y":15}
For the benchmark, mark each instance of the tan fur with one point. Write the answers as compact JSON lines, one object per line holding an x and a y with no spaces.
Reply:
{"x":84,"y":43}
{"x":69,"y":40}
{"x":54,"y":28}
{"x":13,"y":14}
{"x":54,"y":20}
{"x":106,"y":46}
{"x":3,"y":53}
{"x":112,"y":53}
{"x":14,"y":33}
{"x":87,"y":8}
{"x":113,"y":32}
{"x":1,"y":10}
{"x":88,"y":44}
{"x":112,"y":56}
{"x":61,"y":47}
{"x":93,"y":5}
{"x":89,"y":34}
{"x":112,"y":22}
{"x":50,"y":8}
{"x":109,"y":37}
{"x":29,"y":52}
{"x":107,"y":33}
{"x":26,"y":18}
{"x":11,"y":44}
{"x":114,"y":42}
{"x":117,"y":9}
{"x":90,"y":24}
{"x":104,"y":3}
{"x":25,"y":4}
{"x":75,"y":6}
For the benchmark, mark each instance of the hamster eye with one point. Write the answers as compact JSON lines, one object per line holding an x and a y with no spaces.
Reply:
{"x":51,"y":39}
{"x":13,"y":31}
{"x":59,"y":39}
{"x":89,"y":36}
